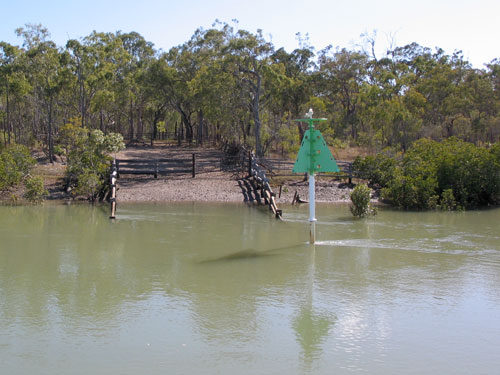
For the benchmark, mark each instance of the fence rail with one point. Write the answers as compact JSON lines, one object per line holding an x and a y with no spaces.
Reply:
{"x":156,"y":167}
{"x":283,"y":168}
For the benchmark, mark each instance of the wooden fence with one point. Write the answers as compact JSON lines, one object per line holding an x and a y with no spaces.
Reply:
{"x":283,"y":168}
{"x":157,"y":167}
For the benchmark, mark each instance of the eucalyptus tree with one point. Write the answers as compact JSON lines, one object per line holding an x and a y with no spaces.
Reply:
{"x":294,"y":85}
{"x":156,"y":106}
{"x":47,"y":68}
{"x":441,"y":80}
{"x":484,"y":107}
{"x":340,"y":79}
{"x":140,"y":54}
{"x":248,"y":56}
{"x":177,"y":69}
{"x":493,"y":77}
{"x":13,"y":86}
{"x":391,"y":108}
{"x":209,"y":84}
{"x":189,"y":77}
{"x":94,"y":64}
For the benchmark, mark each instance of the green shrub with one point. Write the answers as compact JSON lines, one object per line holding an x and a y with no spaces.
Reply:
{"x":360,"y":198}
{"x":454,"y":173}
{"x":35,"y":190}
{"x":448,"y":200}
{"x":492,"y":171}
{"x":15,"y":164}
{"x":414,"y":184}
{"x":465,"y":169}
{"x":379,"y":170}
{"x":87,"y":159}
{"x":89,"y":184}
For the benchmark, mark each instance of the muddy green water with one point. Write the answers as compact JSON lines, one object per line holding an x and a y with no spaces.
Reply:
{"x":226,"y":289}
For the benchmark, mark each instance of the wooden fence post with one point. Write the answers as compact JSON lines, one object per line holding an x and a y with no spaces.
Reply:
{"x":249,"y":163}
{"x":194,"y":165}
{"x":117,"y":163}
{"x":113,"y":177}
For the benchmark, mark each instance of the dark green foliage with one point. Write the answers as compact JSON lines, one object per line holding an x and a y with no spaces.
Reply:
{"x":448,"y":200}
{"x":492,"y":186}
{"x":360,"y":198}
{"x":413,"y":186}
{"x":451,"y":174}
{"x":35,"y":190}
{"x":463,"y":168}
{"x":88,"y":162}
{"x":227,"y":84}
{"x":378,"y":169}
{"x":15,"y":165}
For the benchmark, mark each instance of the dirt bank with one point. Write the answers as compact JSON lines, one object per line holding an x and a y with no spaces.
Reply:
{"x":209,"y":185}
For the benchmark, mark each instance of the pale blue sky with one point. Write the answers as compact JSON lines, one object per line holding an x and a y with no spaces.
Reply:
{"x":466,"y":25}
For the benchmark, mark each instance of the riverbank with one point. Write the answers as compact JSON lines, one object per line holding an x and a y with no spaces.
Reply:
{"x":220,"y":187}
{"x":210,"y":185}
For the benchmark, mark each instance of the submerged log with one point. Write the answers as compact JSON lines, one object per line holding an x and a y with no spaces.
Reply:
{"x":296,"y":198}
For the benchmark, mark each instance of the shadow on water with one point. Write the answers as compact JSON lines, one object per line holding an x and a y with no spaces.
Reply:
{"x":250,"y":254}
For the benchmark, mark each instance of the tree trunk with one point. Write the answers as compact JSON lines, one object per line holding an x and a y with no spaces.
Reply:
{"x":352,"y":121}
{"x":295,"y":113}
{"x":51,"y":141}
{"x":200,"y":127}
{"x":301,"y":131}
{"x":140,"y":125}
{"x":8,"y":112}
{"x":217,"y":133}
{"x":118,"y":127}
{"x":101,"y":121}
{"x":155,"y":126}
{"x":256,"y":118}
{"x":186,"y":121}
{"x":82,"y":95}
{"x":131,"y":122}
{"x":4,"y":132}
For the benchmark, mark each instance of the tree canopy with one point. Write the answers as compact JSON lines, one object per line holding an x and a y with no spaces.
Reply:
{"x":232,"y":85}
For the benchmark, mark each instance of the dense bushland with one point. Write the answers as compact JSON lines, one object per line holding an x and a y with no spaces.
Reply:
{"x":449,"y":174}
{"x":230,"y":85}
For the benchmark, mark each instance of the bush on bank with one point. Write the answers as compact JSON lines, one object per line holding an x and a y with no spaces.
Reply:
{"x":88,"y":161}
{"x":16,"y":164}
{"x":452,"y":174}
{"x":360,"y":198}
{"x":35,"y":189}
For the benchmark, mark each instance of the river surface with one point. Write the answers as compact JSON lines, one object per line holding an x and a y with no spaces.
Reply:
{"x":227,"y":289}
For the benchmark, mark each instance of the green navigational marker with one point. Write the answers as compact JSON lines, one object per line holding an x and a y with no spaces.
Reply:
{"x":314,"y":156}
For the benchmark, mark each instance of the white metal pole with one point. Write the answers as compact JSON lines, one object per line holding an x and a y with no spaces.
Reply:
{"x":312,"y":208}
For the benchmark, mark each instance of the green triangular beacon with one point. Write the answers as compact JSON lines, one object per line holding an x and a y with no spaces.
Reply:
{"x":314,"y":155}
